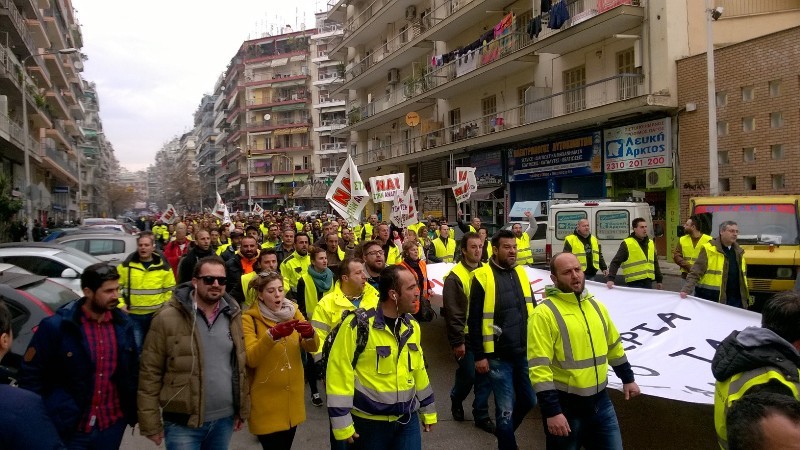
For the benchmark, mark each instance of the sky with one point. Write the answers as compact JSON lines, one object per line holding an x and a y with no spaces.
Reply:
{"x":152,"y":61}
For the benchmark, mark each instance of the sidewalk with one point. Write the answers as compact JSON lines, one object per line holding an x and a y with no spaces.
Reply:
{"x":668,"y":267}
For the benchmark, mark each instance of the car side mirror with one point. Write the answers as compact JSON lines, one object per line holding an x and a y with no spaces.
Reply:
{"x":69,"y":273}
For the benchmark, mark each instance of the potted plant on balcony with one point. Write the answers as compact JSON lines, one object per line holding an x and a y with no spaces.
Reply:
{"x":354,"y":115}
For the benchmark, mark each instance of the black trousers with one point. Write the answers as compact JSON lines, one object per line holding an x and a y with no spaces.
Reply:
{"x":280,"y":440}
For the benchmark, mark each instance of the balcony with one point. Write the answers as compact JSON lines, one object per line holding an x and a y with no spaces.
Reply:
{"x":281,"y":125}
{"x":281,"y":149}
{"x":327,"y":31}
{"x":57,"y":161}
{"x":14,"y":133}
{"x":332,"y":148}
{"x":39,"y":72}
{"x":56,"y":67}
{"x":328,"y":78}
{"x":544,"y":114}
{"x":330,"y":125}
{"x":36,"y":27}
{"x":365,"y":25}
{"x":278,"y":100}
{"x":57,"y":104}
{"x":54,"y":24}
{"x":59,"y":133}
{"x":277,"y":80}
{"x":12,"y":19}
{"x":326,"y":101}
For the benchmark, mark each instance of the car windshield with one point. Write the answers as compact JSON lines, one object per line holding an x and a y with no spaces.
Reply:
{"x":764,"y":223}
{"x":50,"y":293}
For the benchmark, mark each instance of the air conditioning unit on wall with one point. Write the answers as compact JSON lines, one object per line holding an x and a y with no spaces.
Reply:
{"x":659,"y":178}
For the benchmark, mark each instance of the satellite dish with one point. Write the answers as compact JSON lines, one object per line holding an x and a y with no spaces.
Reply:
{"x":267,"y":117}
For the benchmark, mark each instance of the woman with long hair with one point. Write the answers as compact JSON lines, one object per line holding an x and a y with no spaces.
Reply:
{"x":275,"y":332}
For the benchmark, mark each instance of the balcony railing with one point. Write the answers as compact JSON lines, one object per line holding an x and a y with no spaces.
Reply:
{"x":384,"y":51}
{"x":610,"y":90}
{"x":16,"y":133}
{"x":19,"y":23}
{"x":333,"y":146}
{"x":61,"y":161}
{"x":279,"y":99}
{"x":735,"y":8}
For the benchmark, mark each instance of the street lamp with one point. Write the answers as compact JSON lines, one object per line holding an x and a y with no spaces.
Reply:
{"x":26,"y":135}
{"x":712,"y":14}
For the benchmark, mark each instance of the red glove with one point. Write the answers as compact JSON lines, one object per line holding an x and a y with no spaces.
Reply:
{"x":305,"y":329}
{"x":282,"y":329}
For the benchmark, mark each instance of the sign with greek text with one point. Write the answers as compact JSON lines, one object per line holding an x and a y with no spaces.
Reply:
{"x":669,"y":342}
{"x":386,"y":188}
{"x":465,"y":185}
{"x":404,"y":210}
{"x":563,"y":158}
{"x":645,"y":145}
{"x":169,"y":215}
{"x":347,"y":194}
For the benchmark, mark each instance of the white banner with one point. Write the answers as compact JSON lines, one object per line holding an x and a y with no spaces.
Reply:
{"x":348,"y":195}
{"x":258,"y":210}
{"x":466,"y":184}
{"x":387,"y":188}
{"x":669,"y":341}
{"x":169,"y":215}
{"x":404,"y":211}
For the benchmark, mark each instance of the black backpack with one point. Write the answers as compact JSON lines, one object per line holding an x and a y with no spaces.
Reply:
{"x":362,"y":336}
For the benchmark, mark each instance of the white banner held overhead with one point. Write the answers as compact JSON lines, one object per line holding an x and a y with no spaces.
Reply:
{"x":386,"y":188}
{"x":258,"y":210}
{"x":404,"y":212}
{"x":668,"y":341}
{"x":465,"y":185}
{"x":348,"y":195}
{"x":411,"y":200}
{"x":169,"y":215}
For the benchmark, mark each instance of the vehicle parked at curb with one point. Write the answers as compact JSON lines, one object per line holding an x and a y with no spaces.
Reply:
{"x":59,"y":263}
{"x":59,"y":233}
{"x":112,"y":248}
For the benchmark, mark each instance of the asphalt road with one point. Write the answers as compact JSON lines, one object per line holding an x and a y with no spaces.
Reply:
{"x":646,"y":422}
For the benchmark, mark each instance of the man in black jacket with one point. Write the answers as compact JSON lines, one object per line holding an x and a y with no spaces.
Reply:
{"x":241,"y":263}
{"x":200,"y":249}
{"x":84,"y":364}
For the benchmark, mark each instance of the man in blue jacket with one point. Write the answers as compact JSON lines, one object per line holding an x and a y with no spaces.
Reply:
{"x":84,"y":364}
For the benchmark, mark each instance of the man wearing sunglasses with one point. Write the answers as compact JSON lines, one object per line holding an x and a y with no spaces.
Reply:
{"x":194,"y":393}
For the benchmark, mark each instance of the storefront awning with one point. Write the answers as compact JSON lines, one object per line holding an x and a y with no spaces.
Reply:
{"x":484,"y":193}
{"x":298,"y":177}
{"x":292,"y":107}
{"x":298,"y":130}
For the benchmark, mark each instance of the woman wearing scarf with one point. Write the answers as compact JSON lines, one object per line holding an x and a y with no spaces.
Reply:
{"x":418,"y":267}
{"x":314,"y":284}
{"x":275,"y":332}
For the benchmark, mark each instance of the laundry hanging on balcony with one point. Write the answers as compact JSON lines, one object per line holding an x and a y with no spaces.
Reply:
{"x":558,"y":16}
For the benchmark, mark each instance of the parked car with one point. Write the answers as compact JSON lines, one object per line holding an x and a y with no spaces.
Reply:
{"x":112,"y":248}
{"x":59,"y":263}
{"x":58,"y":233}
{"x":538,"y":238}
{"x":30,"y":298}
{"x":98,"y":221}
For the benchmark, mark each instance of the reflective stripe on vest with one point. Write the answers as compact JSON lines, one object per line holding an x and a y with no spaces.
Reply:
{"x":689,"y":251}
{"x":712,"y":278}
{"x":524,"y":254}
{"x":485,"y":277}
{"x":736,"y":387}
{"x":446,"y":254}
{"x":578,"y":249}
{"x":637,"y":266}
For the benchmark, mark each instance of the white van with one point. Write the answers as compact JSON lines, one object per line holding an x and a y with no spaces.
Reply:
{"x":609,"y":222}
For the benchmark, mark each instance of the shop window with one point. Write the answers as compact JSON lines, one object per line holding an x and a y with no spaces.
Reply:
{"x":777,"y":151}
{"x":566,"y":221}
{"x":775,"y":88}
{"x":776,"y":119}
{"x":722,"y":157}
{"x":725,"y":184}
{"x":748,"y":124}
{"x":747,"y":93}
{"x":749,"y":183}
{"x":722,"y":99}
{"x":749,"y":154}
{"x":778,"y":181}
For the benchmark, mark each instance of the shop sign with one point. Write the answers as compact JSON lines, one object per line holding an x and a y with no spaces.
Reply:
{"x":488,"y":168}
{"x":646,"y":145}
{"x":563,"y":158}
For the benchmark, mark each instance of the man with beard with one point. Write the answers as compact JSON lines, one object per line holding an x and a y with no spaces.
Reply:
{"x":332,"y":250}
{"x":569,"y":372}
{"x":212,"y":400}
{"x":368,"y":231}
{"x":201,"y":247}
{"x":391,"y":252}
{"x":241,"y":264}
{"x":296,"y":264}
{"x":372,"y":254}
{"x":500,"y":303}
{"x":83,"y":363}
{"x":523,"y":239}
{"x":286,"y":246}
{"x":638,"y":259}
{"x":271,"y":237}
{"x":227,"y":251}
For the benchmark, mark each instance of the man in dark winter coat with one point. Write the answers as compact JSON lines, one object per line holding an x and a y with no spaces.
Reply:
{"x":200,"y":249}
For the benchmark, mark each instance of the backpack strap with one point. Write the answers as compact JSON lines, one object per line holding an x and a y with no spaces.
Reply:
{"x":362,"y":333}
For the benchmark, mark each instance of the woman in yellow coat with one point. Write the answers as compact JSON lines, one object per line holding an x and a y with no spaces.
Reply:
{"x":274,"y":333}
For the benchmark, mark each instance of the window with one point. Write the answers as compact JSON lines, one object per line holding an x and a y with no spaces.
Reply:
{"x":722,"y":157}
{"x":776,"y":119}
{"x":566,"y":221}
{"x":611,"y":224}
{"x":778,"y":181}
{"x":38,"y":265}
{"x":777,"y":151}
{"x":724,"y":184}
{"x":404,"y":34}
{"x":488,"y":110}
{"x":748,"y":124}
{"x":749,"y":154}
{"x":626,"y":66}
{"x":105,"y":246}
{"x":722,"y":128}
{"x":455,"y":117}
{"x":574,"y":90}
{"x":749,"y":183}
{"x":722,"y":99}
{"x":774,"y":88}
{"x":747,"y":94}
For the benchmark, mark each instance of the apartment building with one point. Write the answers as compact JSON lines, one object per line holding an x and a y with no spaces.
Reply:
{"x":98,"y":161}
{"x":758,"y":122}
{"x":541,"y":97}
{"x":206,"y":149}
{"x":266,"y":132}
{"x":39,"y":67}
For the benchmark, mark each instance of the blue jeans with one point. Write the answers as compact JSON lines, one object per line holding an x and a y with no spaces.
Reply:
{"x":141,"y":325}
{"x":110,"y":438}
{"x":597,"y":429}
{"x":513,"y":396}
{"x":211,"y":435}
{"x":403,"y":434}
{"x":466,"y":378}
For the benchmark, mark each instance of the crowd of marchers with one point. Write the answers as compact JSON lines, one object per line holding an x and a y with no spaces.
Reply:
{"x":211,"y":325}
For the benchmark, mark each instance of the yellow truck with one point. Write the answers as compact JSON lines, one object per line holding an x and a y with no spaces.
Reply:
{"x":769,"y":232}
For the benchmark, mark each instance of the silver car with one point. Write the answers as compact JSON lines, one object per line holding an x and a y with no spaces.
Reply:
{"x":59,"y":263}
{"x":112,"y":248}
